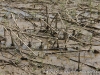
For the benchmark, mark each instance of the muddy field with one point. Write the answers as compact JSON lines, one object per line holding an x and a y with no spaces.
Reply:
{"x":49,"y":37}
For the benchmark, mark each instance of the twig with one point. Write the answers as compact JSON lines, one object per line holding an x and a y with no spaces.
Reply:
{"x":21,"y":41}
